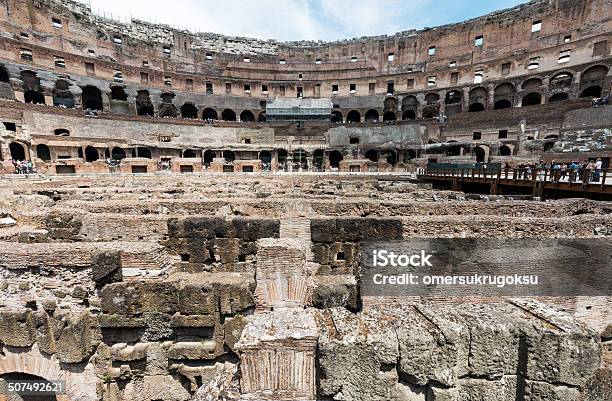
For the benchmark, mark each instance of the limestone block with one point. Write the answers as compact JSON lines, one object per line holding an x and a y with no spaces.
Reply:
{"x":355,"y":230}
{"x":179,"y":320}
{"x":16,"y":328}
{"x":335,"y":291}
{"x":106,"y":266}
{"x":77,"y":339}
{"x":197,"y":298}
{"x":542,"y":391}
{"x":131,"y":298}
{"x":232,"y":330}
{"x":164,"y":388}
{"x":209,"y":349}
{"x":63,"y":225}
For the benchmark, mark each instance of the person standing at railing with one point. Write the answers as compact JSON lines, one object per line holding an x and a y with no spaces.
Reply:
{"x":597,"y":170}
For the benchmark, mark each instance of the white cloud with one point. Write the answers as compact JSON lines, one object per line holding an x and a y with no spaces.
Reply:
{"x":275,"y":19}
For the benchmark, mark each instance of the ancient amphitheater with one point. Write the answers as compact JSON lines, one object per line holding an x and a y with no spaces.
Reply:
{"x":184,"y":216}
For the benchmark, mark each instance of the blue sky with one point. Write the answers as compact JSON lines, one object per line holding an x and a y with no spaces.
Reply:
{"x":301,"y":19}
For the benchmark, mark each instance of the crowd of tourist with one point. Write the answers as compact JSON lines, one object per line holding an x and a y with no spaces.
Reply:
{"x":23,"y":167}
{"x":586,"y":170}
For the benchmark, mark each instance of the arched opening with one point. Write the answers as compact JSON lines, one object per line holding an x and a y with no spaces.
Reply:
{"x":118,"y":93}
{"x":300,"y":159}
{"x":409,"y":115}
{"x":143,"y":152}
{"x":548,"y":146}
{"x":353,"y":116}
{"x":35,"y":97}
{"x":505,"y":151}
{"x":209,"y":114}
{"x":209,"y":156}
{"x":26,"y":377}
{"x":480,"y":154}
{"x":532,"y":99}
{"x":91,"y":98}
{"x":318,"y":156}
{"x":454,"y":150}
{"x":262,"y":117}
{"x":335,"y":157}
{"x":43,"y":152}
{"x":188,"y":110}
{"x":553,"y":136}
{"x":168,"y":110}
{"x":144,"y":107}
{"x":371,"y":116}
{"x":390,"y":157}
{"x":476,"y":107}
{"x":4,"y":75}
{"x":389,"y":116}
{"x":229,"y":156}
{"x":265,"y":156}
{"x":453,"y":97}
{"x":118,"y":153}
{"x":502,"y":104}
{"x":282,"y":155}
{"x":531,"y":84}
{"x":17,"y":151}
{"x":91,"y":154}
{"x":189,"y":153}
{"x":61,"y":132}
{"x":372,"y":155}
{"x":62,"y":96}
{"x":247,"y":116}
{"x":390,"y":104}
{"x":560,"y":81}
{"x":453,"y":103}
{"x":591,"y":91}
{"x":80,"y":153}
{"x":228,"y":115}
{"x":559,"y":97}
{"x":336,"y":117}
{"x":409,"y":155}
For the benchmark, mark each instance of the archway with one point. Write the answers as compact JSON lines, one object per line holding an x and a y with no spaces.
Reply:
{"x":389,"y":116}
{"x":61,"y":94}
{"x":247,"y":116}
{"x":188,"y":110}
{"x":531,"y":84}
{"x":43,"y":152}
{"x":409,"y":115}
{"x":282,"y":155}
{"x":262,"y":117}
{"x":189,"y":154}
{"x":35,"y":97}
{"x":91,"y":154}
{"x":143,"y":152}
{"x":480,"y":154}
{"x":335,"y":157}
{"x":476,"y":107}
{"x":4,"y":75}
{"x":144,"y":107}
{"x":17,"y":151}
{"x":209,"y":156}
{"x":409,"y":155}
{"x":390,"y":157}
{"x":210,"y":114}
{"x":265,"y":156}
{"x":300,"y":158}
{"x":559,"y":97}
{"x":118,"y":93}
{"x":372,"y":155}
{"x":453,"y":97}
{"x":91,"y":98}
{"x":505,"y":151}
{"x":118,"y":153}
{"x":477,"y":99}
{"x":453,"y":103}
{"x":502,"y":104}
{"x":168,"y":110}
{"x":318,"y":157}
{"x":228,"y":115}
{"x":371,"y":116}
{"x":591,"y":91}
{"x":229,"y":156}
{"x":336,"y":117}
{"x":353,"y":116}
{"x":430,"y":111}
{"x":560,"y":81}
{"x":532,"y":99}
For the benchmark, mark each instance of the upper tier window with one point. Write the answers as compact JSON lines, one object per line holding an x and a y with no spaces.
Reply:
{"x":166,"y":49}
{"x":59,"y":62}
{"x":26,"y":55}
{"x":117,"y":39}
{"x":432,"y":51}
{"x":478,"y":41}
{"x":391,"y":57}
{"x":282,"y":61}
{"x":118,"y":76}
{"x":318,"y":61}
{"x":56,"y":22}
{"x":564,"y":56}
{"x":478,"y":74}
{"x":567,"y":39}
{"x":452,"y":64}
{"x":431,"y":81}
{"x":534,"y":63}
{"x":536,"y":26}
{"x":246,"y":59}
{"x":353,"y":59}
{"x":208,"y":56}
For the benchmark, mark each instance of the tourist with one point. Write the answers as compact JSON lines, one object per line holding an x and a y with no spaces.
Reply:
{"x":597,"y":170}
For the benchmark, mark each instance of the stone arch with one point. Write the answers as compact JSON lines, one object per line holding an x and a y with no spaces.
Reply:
{"x":531,"y":99}
{"x":265,"y":156}
{"x":477,"y":99}
{"x":390,"y":157}
{"x":335,"y":157}
{"x":353,"y":116}
{"x":505,"y":150}
{"x":118,"y":93}
{"x":210,"y":114}
{"x":189,"y":153}
{"x":409,"y":115}
{"x":431,"y":111}
{"x":43,"y":152}
{"x":409,"y":155}
{"x":282,"y":155}
{"x":300,"y":156}
{"x":91,"y":154}
{"x":372,"y":155}
{"x":62,"y":95}
{"x":336,"y":116}
{"x":189,"y":110}
{"x":480,"y":154}
{"x":247,"y":116}
{"x":389,"y":116}
{"x":318,"y":157}
{"x":390,"y":104}
{"x":34,"y":97}
{"x":4,"y":74}
{"x":118,"y":153}
{"x":561,"y":81}
{"x":18,"y":151}
{"x":79,"y":384}
{"x":30,"y":81}
{"x":371,"y":115}
{"x":503,"y":96}
{"x":91,"y":98}
{"x":118,"y":100}
{"x":453,"y":102}
{"x":229,"y":156}
{"x":209,"y":156}
{"x":592,"y":81}
{"x":143,"y":152}
{"x":228,"y":115}
{"x":531,"y":84}
{"x":168,"y":110}
{"x":410,"y":103}
{"x":262,"y":117}
{"x":144,"y":107}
